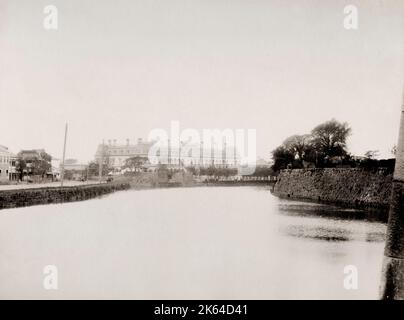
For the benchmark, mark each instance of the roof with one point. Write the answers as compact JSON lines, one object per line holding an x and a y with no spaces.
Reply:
{"x":5,"y":152}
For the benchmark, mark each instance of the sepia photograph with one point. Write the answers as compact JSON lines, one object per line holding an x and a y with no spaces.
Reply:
{"x":201,"y":150}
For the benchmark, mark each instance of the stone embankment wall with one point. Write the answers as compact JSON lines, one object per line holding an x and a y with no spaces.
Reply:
{"x":30,"y":197}
{"x":348,"y":187}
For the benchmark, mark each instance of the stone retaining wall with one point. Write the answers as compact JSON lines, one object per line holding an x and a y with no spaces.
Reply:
{"x":349,"y":187}
{"x":30,"y":197}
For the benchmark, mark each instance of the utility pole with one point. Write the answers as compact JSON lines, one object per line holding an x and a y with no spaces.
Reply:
{"x":62,"y":175}
{"x":101,"y":163}
{"x":87,"y":169}
{"x":392,"y":284}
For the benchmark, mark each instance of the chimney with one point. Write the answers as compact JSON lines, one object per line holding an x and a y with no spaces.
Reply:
{"x":114,"y":142}
{"x":139,"y":141}
{"x":127,"y":142}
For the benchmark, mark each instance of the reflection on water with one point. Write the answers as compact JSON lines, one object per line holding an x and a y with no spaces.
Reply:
{"x":197,"y":243}
{"x":331,"y":223}
{"x":305,"y":208}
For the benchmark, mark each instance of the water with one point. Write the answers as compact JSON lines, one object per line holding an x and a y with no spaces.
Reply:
{"x":196,"y":243}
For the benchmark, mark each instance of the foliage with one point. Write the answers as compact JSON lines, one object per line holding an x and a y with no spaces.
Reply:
{"x":20,"y":167}
{"x":94,"y":169}
{"x":135,"y":163}
{"x":41,"y":165}
{"x":283,"y":158}
{"x":329,"y":138}
{"x":325,"y":146}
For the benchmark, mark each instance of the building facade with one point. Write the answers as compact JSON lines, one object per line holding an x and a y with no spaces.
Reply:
{"x":184,"y":155}
{"x":116,"y":154}
{"x":7,"y":165}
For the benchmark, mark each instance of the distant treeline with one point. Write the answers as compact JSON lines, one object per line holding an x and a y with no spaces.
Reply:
{"x":324,"y":147}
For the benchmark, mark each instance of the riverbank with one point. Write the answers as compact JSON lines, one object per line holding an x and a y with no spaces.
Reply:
{"x":355,"y":188}
{"x":25,"y":185}
{"x":23,"y":195}
{"x":47,"y":195}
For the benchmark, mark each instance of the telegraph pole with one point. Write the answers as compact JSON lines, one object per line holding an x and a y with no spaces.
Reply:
{"x":62,"y":174}
{"x":392,"y":284}
{"x":101,"y":163}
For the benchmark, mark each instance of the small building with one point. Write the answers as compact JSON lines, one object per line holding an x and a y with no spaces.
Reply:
{"x":55,"y":169}
{"x":73,"y":170}
{"x":7,"y":165}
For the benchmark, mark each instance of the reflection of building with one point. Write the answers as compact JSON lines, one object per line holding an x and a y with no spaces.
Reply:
{"x":185,"y":155}
{"x":7,"y":165}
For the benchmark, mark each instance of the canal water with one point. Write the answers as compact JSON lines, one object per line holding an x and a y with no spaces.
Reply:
{"x":189,"y":243}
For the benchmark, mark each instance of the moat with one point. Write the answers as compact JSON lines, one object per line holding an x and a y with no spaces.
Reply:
{"x":189,"y":243}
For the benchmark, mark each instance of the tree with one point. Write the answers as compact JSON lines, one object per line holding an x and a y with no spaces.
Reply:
{"x":94,"y":169}
{"x":329,"y":138}
{"x":41,"y":165}
{"x":135,"y":163}
{"x":20,"y":167}
{"x":299,"y":146}
{"x":282,"y":157}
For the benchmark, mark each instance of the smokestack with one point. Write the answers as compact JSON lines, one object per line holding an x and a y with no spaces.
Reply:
{"x":127,"y":142}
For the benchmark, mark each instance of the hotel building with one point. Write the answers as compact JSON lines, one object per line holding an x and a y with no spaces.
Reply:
{"x":117,"y":154}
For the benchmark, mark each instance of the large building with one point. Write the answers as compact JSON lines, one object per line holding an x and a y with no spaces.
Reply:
{"x":7,"y":165}
{"x":116,"y":154}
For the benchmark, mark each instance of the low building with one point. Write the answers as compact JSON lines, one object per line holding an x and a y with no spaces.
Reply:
{"x":55,"y":169}
{"x":7,"y":165}
{"x":73,"y":170}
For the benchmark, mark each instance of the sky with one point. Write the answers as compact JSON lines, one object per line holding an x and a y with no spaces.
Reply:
{"x":119,"y":69}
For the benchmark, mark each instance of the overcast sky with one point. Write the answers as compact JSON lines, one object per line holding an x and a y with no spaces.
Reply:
{"x":118,"y":69}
